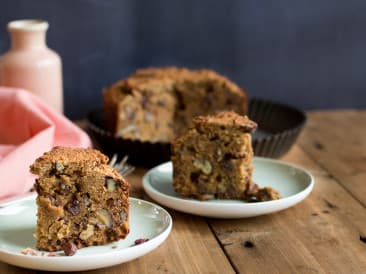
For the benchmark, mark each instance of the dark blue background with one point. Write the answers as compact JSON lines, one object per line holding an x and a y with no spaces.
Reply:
{"x":311,"y":54}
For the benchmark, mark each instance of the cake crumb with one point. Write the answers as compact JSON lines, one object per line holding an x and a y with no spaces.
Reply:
{"x":29,"y":251}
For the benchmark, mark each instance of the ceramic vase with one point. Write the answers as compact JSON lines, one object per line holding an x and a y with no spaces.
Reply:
{"x":31,"y":65}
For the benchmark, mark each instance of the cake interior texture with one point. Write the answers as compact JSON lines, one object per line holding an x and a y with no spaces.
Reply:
{"x":213,"y":159}
{"x":158,"y":104}
{"x":81,"y":200}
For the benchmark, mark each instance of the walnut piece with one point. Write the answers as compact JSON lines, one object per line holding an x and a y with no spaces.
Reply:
{"x":219,"y":154}
{"x":123,"y":216}
{"x":203,"y":165}
{"x":111,"y":184}
{"x":88,"y":232}
{"x":127,"y":129}
{"x":104,"y":217}
{"x":59,"y":166}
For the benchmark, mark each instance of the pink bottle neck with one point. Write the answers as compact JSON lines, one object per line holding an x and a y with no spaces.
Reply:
{"x":21,"y":40}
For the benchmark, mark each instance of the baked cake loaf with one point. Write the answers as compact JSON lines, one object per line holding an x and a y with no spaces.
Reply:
{"x":81,"y":200}
{"x":213,"y":159}
{"x":157,"y":104}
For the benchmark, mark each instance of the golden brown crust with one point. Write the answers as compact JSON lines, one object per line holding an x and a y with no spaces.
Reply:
{"x":59,"y":157}
{"x":227,"y":119}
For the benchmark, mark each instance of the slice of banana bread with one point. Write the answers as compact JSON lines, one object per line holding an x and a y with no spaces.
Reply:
{"x":213,"y":159}
{"x":81,"y":200}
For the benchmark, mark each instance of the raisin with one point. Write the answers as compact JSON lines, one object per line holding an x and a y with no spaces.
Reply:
{"x":53,"y":200}
{"x":252,"y":188}
{"x":227,"y":165}
{"x":202,"y":182}
{"x":69,"y":248}
{"x":144,"y":102}
{"x":63,"y":188}
{"x":161,"y":103}
{"x":111,"y":234}
{"x":73,"y":207}
{"x":194,"y":176}
{"x":111,"y":202}
{"x":140,"y":241}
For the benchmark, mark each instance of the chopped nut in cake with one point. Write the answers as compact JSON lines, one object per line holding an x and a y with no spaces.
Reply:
{"x":213,"y":159}
{"x":157,"y":104}
{"x":82,"y":201}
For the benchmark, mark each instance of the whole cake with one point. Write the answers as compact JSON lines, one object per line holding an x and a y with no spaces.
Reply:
{"x":213,"y":159}
{"x":81,"y":200}
{"x":157,"y":104}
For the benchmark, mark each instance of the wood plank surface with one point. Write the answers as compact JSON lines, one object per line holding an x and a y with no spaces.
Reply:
{"x":9,"y":269}
{"x":337,"y":141}
{"x":320,"y":235}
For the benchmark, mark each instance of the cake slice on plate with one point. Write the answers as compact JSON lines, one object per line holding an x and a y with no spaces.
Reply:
{"x":213,"y":159}
{"x":81,"y":200}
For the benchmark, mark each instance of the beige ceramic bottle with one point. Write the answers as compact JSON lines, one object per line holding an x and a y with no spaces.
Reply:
{"x":30,"y":64}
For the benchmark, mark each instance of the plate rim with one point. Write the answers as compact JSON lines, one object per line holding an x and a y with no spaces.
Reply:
{"x":143,"y":249}
{"x":210,"y":205}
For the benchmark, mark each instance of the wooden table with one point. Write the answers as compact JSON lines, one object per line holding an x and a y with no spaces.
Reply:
{"x":324,"y":233}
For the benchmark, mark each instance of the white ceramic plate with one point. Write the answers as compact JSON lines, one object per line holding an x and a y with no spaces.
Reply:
{"x":17,"y":224}
{"x":293,"y":183}
{"x":17,"y":198}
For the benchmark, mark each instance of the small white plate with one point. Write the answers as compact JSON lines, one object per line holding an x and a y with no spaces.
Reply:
{"x":293,"y":183}
{"x":17,"y":198}
{"x":18,"y":221}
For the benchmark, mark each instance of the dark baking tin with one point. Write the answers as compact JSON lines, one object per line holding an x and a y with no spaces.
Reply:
{"x":278,"y":128}
{"x":145,"y":154}
{"x":279,"y":125}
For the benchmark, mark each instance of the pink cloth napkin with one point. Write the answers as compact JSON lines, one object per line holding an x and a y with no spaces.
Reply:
{"x":28,"y":128}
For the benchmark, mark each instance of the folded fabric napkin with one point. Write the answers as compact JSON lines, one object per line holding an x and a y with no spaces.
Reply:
{"x":28,"y":128}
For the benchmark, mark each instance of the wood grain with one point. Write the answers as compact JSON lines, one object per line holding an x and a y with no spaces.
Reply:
{"x":191,"y":248}
{"x":9,"y":269}
{"x":320,"y":235}
{"x":336,"y":140}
